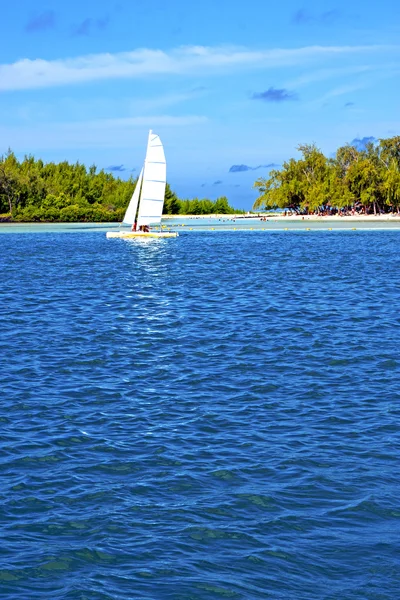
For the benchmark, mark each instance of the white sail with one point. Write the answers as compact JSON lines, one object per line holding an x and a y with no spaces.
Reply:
{"x":154,"y":181}
{"x":130,"y":214}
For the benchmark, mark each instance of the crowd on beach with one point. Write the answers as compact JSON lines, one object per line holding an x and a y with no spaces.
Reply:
{"x":355,"y":211}
{"x":355,"y":182}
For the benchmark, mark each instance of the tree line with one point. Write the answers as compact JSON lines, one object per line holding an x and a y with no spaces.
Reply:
{"x":363,"y":180}
{"x":31,"y":190}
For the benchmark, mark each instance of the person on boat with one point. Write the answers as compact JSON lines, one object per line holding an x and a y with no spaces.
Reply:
{"x":134,"y":226}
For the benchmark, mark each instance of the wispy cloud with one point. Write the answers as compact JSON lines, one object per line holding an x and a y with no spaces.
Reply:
{"x":188,"y":60}
{"x":243,"y":168}
{"x":99,"y":133}
{"x":157,"y":120}
{"x":91,"y":25}
{"x":318,"y":75}
{"x":340,"y":91}
{"x":370,"y":78}
{"x":274,"y":95}
{"x":162,"y":101}
{"x":116,"y":168}
{"x":41,"y":21}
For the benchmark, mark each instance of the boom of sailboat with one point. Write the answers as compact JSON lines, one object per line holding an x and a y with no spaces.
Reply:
{"x":146,"y":206}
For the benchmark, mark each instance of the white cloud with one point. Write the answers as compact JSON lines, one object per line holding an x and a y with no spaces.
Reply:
{"x":40,"y":73}
{"x":357,"y":84}
{"x":161,"y":102}
{"x":99,"y":133}
{"x":326,"y":74}
{"x":147,"y":121}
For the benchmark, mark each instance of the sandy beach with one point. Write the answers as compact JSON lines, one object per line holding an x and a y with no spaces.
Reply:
{"x":223,"y":222}
{"x":282,"y":218}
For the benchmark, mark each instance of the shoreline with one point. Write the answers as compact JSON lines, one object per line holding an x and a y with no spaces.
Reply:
{"x":259,"y":219}
{"x":336,"y":218}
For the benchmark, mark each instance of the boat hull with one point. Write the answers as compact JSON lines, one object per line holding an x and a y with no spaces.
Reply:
{"x":141,"y":234}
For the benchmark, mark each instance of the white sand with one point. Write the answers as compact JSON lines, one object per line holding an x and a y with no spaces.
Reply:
{"x":280,"y":217}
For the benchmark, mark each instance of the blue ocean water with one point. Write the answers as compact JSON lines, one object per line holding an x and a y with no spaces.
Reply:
{"x":212,"y":416}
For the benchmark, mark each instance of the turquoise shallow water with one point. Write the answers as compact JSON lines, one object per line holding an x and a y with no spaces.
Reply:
{"x":213,"y":416}
{"x":195,"y":224}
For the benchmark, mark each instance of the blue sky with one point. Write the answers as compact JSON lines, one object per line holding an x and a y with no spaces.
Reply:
{"x":225,"y":84}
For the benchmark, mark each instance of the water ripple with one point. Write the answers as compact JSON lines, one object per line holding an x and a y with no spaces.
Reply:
{"x":215,"y":416}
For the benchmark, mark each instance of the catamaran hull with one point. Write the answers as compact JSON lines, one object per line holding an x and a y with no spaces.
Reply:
{"x":141,"y":234}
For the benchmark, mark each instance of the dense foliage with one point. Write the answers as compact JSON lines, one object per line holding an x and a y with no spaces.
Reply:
{"x":365,"y":181}
{"x":31,"y":190}
{"x":202,"y":207}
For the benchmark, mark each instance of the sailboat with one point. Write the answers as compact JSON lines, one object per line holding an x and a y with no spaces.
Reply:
{"x":146,"y":205}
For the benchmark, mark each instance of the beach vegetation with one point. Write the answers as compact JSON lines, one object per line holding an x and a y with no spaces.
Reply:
{"x":34,"y":191}
{"x":365,"y":181}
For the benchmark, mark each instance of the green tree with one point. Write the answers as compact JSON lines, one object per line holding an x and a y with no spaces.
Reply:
{"x":391,"y":184}
{"x":222,"y":207}
{"x":172,"y":204}
{"x":31,"y":190}
{"x":369,"y":177}
{"x":10,"y":188}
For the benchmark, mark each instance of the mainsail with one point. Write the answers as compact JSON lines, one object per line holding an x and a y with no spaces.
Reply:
{"x":154,"y":180}
{"x":130,"y":214}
